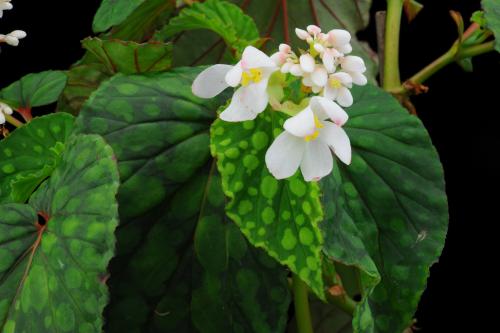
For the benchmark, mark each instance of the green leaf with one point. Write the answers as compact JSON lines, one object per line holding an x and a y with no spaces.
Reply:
{"x":160,"y":136}
{"x":113,"y":12}
{"x":387,"y":209}
{"x":279,"y":216}
{"x":154,"y":123}
{"x":34,"y":90}
{"x":142,"y":23}
{"x":225,"y":19}
{"x":30,"y":154}
{"x":492,"y":16}
{"x":242,"y":288}
{"x":51,"y":270}
{"x":130,"y":57}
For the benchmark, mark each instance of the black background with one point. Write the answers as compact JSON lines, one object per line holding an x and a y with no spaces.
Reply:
{"x":460,"y":111}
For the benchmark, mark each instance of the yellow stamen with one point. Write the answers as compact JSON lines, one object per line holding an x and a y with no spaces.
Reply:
{"x":252,"y":75}
{"x":335,"y":83}
{"x":305,"y":89}
{"x":317,"y":125}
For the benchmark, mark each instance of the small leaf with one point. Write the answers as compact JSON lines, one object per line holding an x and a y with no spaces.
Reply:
{"x":54,"y":251}
{"x":113,"y":12}
{"x":34,"y":90}
{"x":412,"y":8}
{"x":227,"y":20}
{"x":279,"y":216}
{"x":386,"y":213}
{"x":130,"y":57}
{"x":492,"y":16}
{"x":30,"y":154}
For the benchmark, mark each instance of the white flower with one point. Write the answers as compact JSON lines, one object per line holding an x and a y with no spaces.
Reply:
{"x":340,"y":40}
{"x":5,"y":5}
{"x":355,"y":67}
{"x":317,"y":79}
{"x":13,"y":37}
{"x":252,"y":73}
{"x":337,"y":88}
{"x":4,"y":109}
{"x":308,"y":141}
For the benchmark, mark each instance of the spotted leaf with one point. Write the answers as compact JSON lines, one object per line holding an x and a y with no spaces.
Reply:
{"x":30,"y":154}
{"x":279,"y":216}
{"x":386,"y":213}
{"x":54,"y":251}
{"x":156,"y":270}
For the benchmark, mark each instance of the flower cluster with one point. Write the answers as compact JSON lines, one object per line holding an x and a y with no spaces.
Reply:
{"x":326,"y":73}
{"x":13,"y":40}
{"x":13,"y":37}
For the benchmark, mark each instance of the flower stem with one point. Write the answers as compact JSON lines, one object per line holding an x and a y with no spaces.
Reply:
{"x":301,"y":302}
{"x":13,"y":121}
{"x":391,"y":57}
{"x":453,"y":54}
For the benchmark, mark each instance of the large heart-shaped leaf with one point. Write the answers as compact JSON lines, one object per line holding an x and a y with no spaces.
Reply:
{"x":30,"y":154}
{"x":130,"y":57}
{"x":156,"y":271}
{"x":279,"y":216}
{"x":387,"y":209}
{"x":492,"y":16}
{"x":54,"y":251}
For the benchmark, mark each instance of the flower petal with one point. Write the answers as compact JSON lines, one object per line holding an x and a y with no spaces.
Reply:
{"x":320,"y":76}
{"x":328,"y":61}
{"x":295,"y":70}
{"x":255,"y":58}
{"x":233,"y":77}
{"x":330,"y":92}
{"x":339,"y":37}
{"x":2,"y":121}
{"x":353,"y":64}
{"x":247,"y":103}
{"x":344,"y":78}
{"x":211,"y":81}
{"x":284,"y":155}
{"x":302,"y":34}
{"x":358,"y":78}
{"x":307,"y":63}
{"x":317,"y":161}
{"x":335,"y":137}
{"x":302,"y":124}
{"x":325,"y":108}
{"x":344,"y":97}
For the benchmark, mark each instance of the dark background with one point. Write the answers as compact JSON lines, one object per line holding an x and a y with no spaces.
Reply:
{"x":460,"y":111}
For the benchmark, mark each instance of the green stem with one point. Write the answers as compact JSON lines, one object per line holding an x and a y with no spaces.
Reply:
{"x":391,"y":57}
{"x":344,"y":302}
{"x":13,"y":121}
{"x":301,"y":302}
{"x":453,"y":54}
